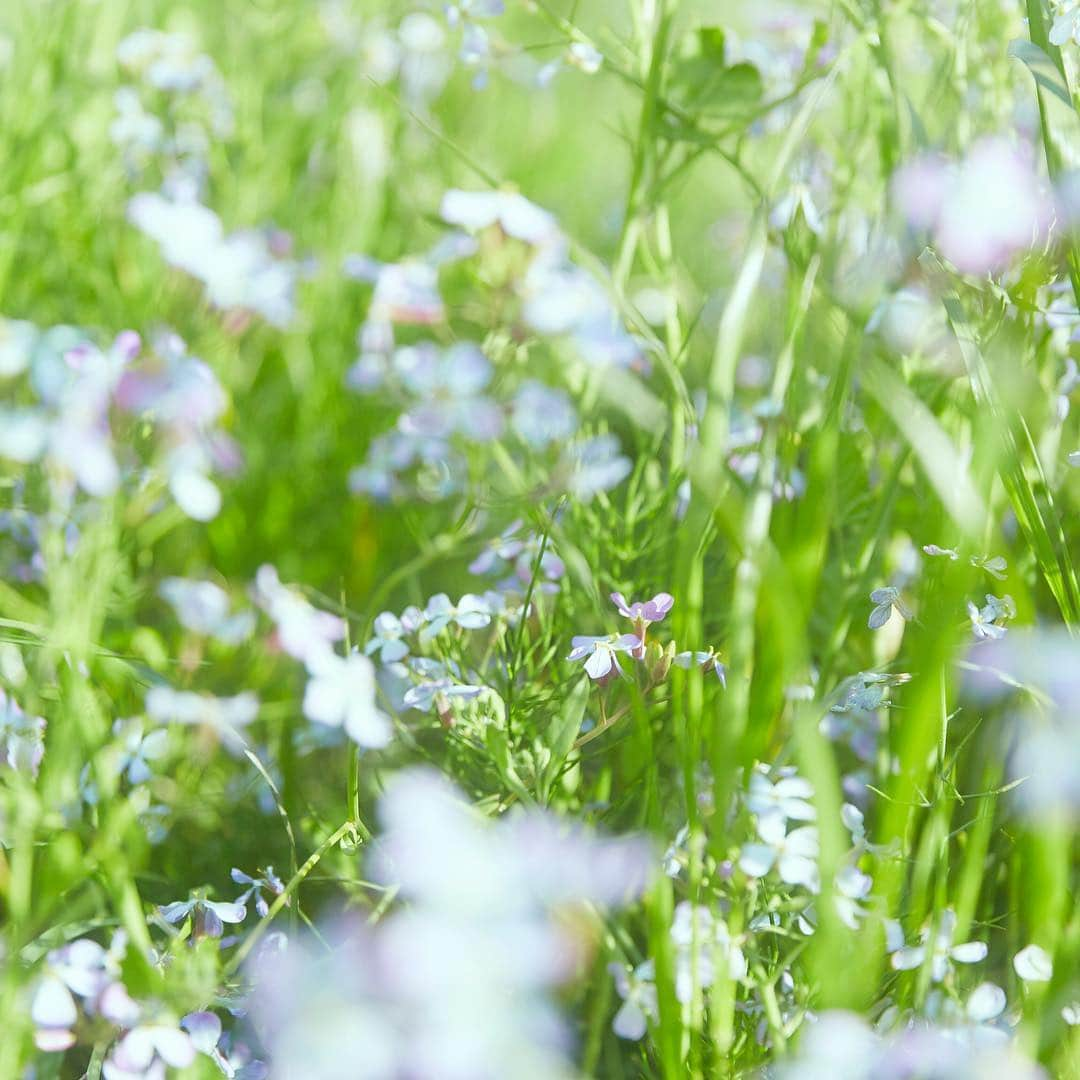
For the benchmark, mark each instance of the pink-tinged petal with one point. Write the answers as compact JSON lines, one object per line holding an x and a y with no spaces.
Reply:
{"x":662,"y":603}
{"x":627,"y":642}
{"x":53,"y":1040}
{"x":116,"y":1005}
{"x":619,"y":601}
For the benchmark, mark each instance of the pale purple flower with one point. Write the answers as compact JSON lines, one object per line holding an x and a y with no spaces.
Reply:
{"x":700,"y":938}
{"x":643,"y":614}
{"x":22,"y":737}
{"x":601,"y":653}
{"x":596,"y":465}
{"x":426,"y":694}
{"x":543,"y":415}
{"x":81,"y":968}
{"x":208,"y":916}
{"x":988,"y":621}
{"x":240,"y":270}
{"x":934,"y":550}
{"x":146,"y":1050}
{"x":982,"y":211}
{"x":255,"y":886}
{"x":223,"y":714}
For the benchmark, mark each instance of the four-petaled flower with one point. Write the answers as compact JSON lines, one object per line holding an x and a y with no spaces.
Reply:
{"x":793,"y":854}
{"x":643,"y":614}
{"x":602,"y":652}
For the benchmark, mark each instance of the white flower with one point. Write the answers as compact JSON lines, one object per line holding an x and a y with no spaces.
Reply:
{"x":788,"y":796}
{"x":700,"y":940}
{"x":341,"y":693}
{"x":794,"y":854}
{"x":602,"y":652}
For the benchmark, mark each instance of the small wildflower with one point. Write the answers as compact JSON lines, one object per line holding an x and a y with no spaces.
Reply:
{"x":886,"y":599}
{"x":707,"y":660}
{"x":602,"y":653}
{"x":637,"y":989}
{"x":643,"y":614}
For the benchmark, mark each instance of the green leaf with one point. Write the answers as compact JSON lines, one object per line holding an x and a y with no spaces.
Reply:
{"x":562,"y":733}
{"x":498,"y":745}
{"x":1044,"y":71}
{"x":705,"y":84}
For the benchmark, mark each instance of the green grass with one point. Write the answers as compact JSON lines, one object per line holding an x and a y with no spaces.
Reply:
{"x":662,"y":180}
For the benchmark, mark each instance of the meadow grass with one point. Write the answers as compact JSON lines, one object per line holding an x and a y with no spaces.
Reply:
{"x":819,"y":389}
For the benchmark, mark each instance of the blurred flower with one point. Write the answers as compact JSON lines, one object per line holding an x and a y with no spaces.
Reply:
{"x":240,"y":270}
{"x":543,"y":415}
{"x":596,"y":465}
{"x":341,"y":693}
{"x":789,"y":797}
{"x":203,"y":607}
{"x":794,"y":854}
{"x":476,"y":936}
{"x":22,"y":737}
{"x":513,"y":213}
{"x":637,"y":989}
{"x":643,"y":614}
{"x":982,"y":211}
{"x":223,"y":714}
{"x":942,"y":952}
{"x":302,"y":630}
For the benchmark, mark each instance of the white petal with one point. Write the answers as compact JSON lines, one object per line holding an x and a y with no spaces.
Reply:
{"x":970,"y":952}
{"x":756,"y":859}
{"x":53,"y":1005}
{"x":986,"y":1002}
{"x":1033,"y":964}
{"x":629,"y":1021}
